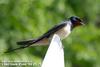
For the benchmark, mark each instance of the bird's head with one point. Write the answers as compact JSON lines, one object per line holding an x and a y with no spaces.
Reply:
{"x":76,"y":21}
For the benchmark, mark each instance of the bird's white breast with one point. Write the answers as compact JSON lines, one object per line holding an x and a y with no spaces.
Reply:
{"x":64,"y":32}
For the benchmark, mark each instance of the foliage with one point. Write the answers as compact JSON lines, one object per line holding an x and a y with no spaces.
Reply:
{"x":27,"y":19}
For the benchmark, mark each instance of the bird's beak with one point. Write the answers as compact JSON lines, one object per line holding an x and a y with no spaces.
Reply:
{"x":82,"y":23}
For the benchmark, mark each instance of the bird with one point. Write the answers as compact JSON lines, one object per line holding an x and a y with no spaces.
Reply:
{"x":62,"y":29}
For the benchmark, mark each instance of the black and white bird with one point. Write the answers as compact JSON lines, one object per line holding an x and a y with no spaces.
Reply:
{"x":62,"y":30}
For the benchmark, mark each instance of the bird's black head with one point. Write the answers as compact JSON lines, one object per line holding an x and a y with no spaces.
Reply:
{"x":75,"y":21}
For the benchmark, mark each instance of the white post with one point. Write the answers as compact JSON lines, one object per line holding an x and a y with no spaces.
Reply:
{"x":55,"y":54}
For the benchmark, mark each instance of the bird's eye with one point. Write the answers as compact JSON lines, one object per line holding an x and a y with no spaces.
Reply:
{"x":75,"y":19}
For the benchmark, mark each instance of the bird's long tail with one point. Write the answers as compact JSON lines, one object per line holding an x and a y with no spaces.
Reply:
{"x":23,"y":44}
{"x":27,"y":42}
{"x":16,"y":49}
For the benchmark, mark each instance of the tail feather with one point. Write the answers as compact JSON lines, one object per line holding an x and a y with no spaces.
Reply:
{"x":23,"y":44}
{"x":28,"y":42}
{"x":16,"y":49}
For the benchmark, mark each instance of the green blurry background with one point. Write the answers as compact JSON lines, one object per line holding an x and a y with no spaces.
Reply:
{"x":27,"y":19}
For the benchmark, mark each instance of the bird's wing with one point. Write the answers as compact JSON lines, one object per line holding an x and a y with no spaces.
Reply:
{"x":53,"y":30}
